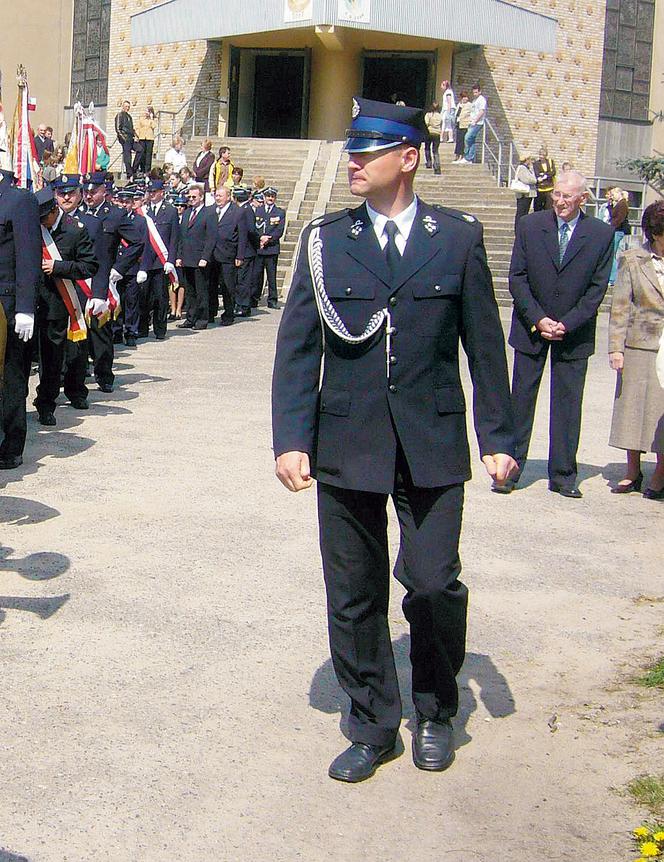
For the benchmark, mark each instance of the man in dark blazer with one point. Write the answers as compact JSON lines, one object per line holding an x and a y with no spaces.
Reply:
{"x":128,"y":140}
{"x":558,"y":276}
{"x":20,"y":276}
{"x":154,"y":272}
{"x":247,"y":252}
{"x":273,"y":221}
{"x":197,"y":223}
{"x":227,"y":236}
{"x":380,"y":298}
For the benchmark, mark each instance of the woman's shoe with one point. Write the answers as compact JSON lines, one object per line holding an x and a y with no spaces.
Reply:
{"x":634,"y":485}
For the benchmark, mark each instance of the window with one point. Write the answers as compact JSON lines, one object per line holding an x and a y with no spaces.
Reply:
{"x":628,"y":39}
{"x":89,"y":66}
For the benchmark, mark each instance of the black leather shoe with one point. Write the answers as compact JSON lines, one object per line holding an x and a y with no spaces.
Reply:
{"x":227,"y":321}
{"x":272,"y":303}
{"x":185,"y":325}
{"x":359,"y":762}
{"x":243,"y":312}
{"x":160,"y":337}
{"x":506,"y":488}
{"x":105,"y":387}
{"x":79,"y":404}
{"x":46,"y":417}
{"x":572,"y":493}
{"x":628,"y":487}
{"x":254,"y":303}
{"x":9,"y":462}
{"x":433,"y":744}
{"x":651,"y":494}
{"x":199,"y":326}
{"x":130,"y":341}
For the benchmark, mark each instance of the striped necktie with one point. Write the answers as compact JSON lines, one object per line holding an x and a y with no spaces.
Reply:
{"x":563,"y":239}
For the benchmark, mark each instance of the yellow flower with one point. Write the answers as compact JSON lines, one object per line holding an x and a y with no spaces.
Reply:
{"x":658,"y":836}
{"x":649,"y":849}
{"x":642,"y":832}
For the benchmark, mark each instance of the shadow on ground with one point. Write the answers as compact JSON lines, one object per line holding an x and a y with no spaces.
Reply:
{"x":326,"y":696}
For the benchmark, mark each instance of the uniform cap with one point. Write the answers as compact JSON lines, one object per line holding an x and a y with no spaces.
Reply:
{"x":67,"y":183}
{"x":96,"y":178}
{"x":46,"y":201}
{"x":382,"y":125}
{"x":270,"y":190}
{"x":241,"y":194}
{"x":155,"y":185}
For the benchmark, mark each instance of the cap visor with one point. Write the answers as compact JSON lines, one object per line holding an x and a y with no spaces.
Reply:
{"x":369,"y":145}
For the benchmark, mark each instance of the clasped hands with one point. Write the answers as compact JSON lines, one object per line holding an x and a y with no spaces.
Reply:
{"x":551,"y":330}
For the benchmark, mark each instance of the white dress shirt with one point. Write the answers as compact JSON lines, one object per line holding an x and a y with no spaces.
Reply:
{"x":571,"y":224}
{"x":404,"y":222}
{"x":221,"y":211}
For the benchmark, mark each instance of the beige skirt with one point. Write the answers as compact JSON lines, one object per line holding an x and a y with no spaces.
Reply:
{"x":638,"y":408}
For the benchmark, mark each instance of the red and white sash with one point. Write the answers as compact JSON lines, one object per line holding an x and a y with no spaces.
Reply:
{"x":77,"y":329}
{"x":158,"y":246}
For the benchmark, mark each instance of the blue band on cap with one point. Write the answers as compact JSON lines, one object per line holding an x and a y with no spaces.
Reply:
{"x":389,"y":127}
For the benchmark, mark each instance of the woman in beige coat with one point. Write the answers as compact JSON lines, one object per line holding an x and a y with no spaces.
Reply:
{"x":635,"y":328}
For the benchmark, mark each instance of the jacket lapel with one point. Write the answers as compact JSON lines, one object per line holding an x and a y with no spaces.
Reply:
{"x":363,"y":245}
{"x":419,"y":248}
{"x":577,"y":241}
{"x":550,"y":238}
{"x":648,"y":270}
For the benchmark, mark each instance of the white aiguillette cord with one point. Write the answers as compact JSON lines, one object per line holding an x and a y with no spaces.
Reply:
{"x":328,"y":313}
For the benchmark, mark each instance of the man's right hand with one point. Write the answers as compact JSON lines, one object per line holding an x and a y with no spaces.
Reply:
{"x":549,"y":329}
{"x":293,"y":470}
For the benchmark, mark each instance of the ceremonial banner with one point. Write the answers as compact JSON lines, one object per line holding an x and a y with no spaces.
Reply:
{"x":77,"y":329}
{"x":87,"y":140}
{"x":5,"y":157}
{"x":354,"y":10}
{"x":24,"y":153}
{"x":297,"y":10}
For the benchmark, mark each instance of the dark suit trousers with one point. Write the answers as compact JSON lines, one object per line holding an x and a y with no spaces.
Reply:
{"x":52,"y":335}
{"x":100,"y":340}
{"x":155,"y":299}
{"x":131,"y":293}
{"x":354,"y":547}
{"x":224,"y":278}
{"x":266,"y":264}
{"x":566,"y":399}
{"x":127,"y":148}
{"x":198,"y":304}
{"x":246,"y":280}
{"x":14,"y":393}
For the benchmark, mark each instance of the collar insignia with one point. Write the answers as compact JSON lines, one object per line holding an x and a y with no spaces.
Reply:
{"x":356,"y":109}
{"x":430,"y":225}
{"x":356,"y":228}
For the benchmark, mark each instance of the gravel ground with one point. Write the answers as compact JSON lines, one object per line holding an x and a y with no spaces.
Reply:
{"x":167,"y":689}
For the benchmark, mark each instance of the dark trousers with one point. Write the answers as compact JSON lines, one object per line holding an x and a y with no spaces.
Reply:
{"x":431,"y":157}
{"x":223,"y":278}
{"x":130,"y":293}
{"x":246,"y":281}
{"x":100,"y":339}
{"x":52,"y":336}
{"x":198,"y":298}
{"x":566,"y":399}
{"x":543,"y":201}
{"x":154,"y":301}
{"x":522,"y":208}
{"x":354,"y":548}
{"x":146,"y":155}
{"x":129,"y":147}
{"x":266,"y":264}
{"x":460,"y":142}
{"x":14,"y":393}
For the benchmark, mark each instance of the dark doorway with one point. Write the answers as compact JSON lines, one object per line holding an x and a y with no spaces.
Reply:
{"x":388,"y":77}
{"x":279,"y":95}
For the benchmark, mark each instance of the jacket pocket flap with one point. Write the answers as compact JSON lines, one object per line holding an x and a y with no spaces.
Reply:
{"x":335,"y":401}
{"x":450,"y":399}
{"x":444,"y":285}
{"x":346,"y":288}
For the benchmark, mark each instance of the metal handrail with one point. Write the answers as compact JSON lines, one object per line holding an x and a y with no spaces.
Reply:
{"x":196,"y":107}
{"x":492,"y":157}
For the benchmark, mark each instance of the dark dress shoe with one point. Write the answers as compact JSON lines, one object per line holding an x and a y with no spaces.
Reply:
{"x":80,"y":403}
{"x":105,"y":387}
{"x":46,"y":417}
{"x":433,"y":744}
{"x":506,"y":488}
{"x":227,"y":321}
{"x":8,"y":462}
{"x":243,"y":312}
{"x":199,"y":326}
{"x":171,"y":316}
{"x":130,"y":341}
{"x":254,"y":303}
{"x":651,"y":494}
{"x":628,"y":487}
{"x":272,"y":303}
{"x":185,"y":325}
{"x":572,"y":493}
{"x":360,"y":761}
{"x":160,"y":337}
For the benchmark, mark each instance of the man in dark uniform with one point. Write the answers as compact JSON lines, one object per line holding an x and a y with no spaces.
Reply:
{"x":75,"y":259}
{"x":157,"y":271}
{"x":20,"y":275}
{"x":131,"y":288}
{"x":247,"y":254}
{"x":273,"y":220}
{"x":382,"y":295}
{"x":116,"y":227}
{"x":192,"y":243}
{"x":223,"y":241}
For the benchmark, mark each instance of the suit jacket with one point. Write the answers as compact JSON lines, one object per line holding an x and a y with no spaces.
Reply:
{"x":637,"y":305}
{"x":570,"y":292}
{"x":442,"y":294}
{"x":124,"y":126}
{"x":273,"y":225}
{"x":42,"y":144}
{"x":194,"y":236}
{"x":168,"y":227}
{"x":250,"y":234}
{"x":78,"y":261}
{"x":226,"y":237}
{"x":20,"y":250}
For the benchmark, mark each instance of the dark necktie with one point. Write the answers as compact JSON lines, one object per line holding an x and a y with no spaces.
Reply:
{"x":563,"y":239}
{"x":392,"y":254}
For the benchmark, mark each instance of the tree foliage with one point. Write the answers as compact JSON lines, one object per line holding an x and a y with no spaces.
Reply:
{"x":650,"y":169}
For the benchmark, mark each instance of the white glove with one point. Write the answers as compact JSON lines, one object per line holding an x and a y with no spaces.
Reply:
{"x":169,"y":268}
{"x":96,"y":307}
{"x":202,"y":262}
{"x":114,"y":276}
{"x":24,"y":325}
{"x":141,"y":276}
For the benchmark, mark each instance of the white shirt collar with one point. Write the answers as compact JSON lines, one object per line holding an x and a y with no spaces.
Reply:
{"x":404,"y":222}
{"x":221,"y":211}
{"x":571,"y":223}
{"x":58,"y":219}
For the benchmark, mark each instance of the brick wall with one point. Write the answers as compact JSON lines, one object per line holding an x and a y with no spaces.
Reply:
{"x":164,"y":76}
{"x":543,"y":98}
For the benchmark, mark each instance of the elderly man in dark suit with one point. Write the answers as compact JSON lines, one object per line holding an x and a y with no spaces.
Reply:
{"x":381,"y":297}
{"x":193,"y":240}
{"x":558,"y":276}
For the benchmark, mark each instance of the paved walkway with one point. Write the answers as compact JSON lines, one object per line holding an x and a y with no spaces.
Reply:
{"x":167,"y":692}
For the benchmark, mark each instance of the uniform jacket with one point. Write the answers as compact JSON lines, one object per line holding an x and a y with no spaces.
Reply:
{"x":273,"y":224}
{"x":442,"y":294}
{"x":140,"y":226}
{"x":251,"y":233}
{"x":95,"y":230}
{"x":195,"y":235}
{"x":20,"y":250}
{"x":117,"y":226}
{"x":637,"y":306}
{"x":226,"y":236}
{"x":570,"y":292}
{"x":168,"y":226}
{"x":78,"y":261}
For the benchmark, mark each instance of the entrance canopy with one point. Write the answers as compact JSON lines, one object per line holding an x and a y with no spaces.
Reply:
{"x":478,"y":22}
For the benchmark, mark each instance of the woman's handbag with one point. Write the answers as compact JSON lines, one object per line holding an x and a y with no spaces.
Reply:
{"x":519,"y":187}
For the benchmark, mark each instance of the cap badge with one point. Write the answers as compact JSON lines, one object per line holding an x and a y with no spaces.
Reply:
{"x":356,"y":109}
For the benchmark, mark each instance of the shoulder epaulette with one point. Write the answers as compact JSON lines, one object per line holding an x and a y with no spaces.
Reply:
{"x":328,"y":218}
{"x":467,"y":217}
